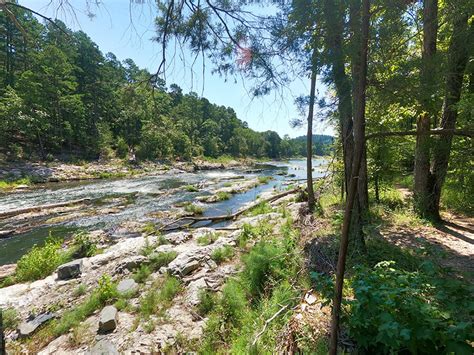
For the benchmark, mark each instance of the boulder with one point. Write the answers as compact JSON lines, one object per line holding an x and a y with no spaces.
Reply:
{"x":29,"y":327}
{"x":130,"y":263}
{"x":127,"y":287}
{"x":108,"y":319}
{"x":70,"y":270}
{"x":103,"y":347}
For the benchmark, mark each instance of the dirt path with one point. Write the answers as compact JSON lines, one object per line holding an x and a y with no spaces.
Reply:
{"x":452,"y":240}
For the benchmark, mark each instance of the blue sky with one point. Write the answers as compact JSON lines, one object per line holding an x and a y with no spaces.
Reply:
{"x":126,"y":29}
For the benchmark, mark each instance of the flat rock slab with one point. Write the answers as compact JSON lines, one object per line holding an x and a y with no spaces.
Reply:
{"x":70,"y":270}
{"x":103,"y":347}
{"x":28,"y":328}
{"x":127,"y":286}
{"x":108,"y":319}
{"x":7,"y":270}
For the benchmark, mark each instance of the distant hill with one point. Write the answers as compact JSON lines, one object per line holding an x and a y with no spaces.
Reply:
{"x":322,"y":144}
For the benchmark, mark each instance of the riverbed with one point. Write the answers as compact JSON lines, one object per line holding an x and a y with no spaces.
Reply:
{"x":119,"y":203}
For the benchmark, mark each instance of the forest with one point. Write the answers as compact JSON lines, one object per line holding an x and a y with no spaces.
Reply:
{"x":61,"y":96}
{"x":366,"y":249}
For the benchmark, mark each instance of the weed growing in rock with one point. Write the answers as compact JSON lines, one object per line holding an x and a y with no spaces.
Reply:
{"x":191,"y":188}
{"x":79,"y":290}
{"x":222,"y":196}
{"x":158,"y":260}
{"x":193,"y":209}
{"x":207,"y":238}
{"x":207,"y":302}
{"x":262,"y":180}
{"x":82,"y":246}
{"x":222,"y":254}
{"x":142,"y":273}
{"x":261,"y":208}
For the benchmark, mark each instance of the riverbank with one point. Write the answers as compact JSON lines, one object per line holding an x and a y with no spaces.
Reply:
{"x":156,"y":287}
{"x":21,"y":175}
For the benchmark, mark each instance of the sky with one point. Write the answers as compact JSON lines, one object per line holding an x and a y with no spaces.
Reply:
{"x":126,"y":29}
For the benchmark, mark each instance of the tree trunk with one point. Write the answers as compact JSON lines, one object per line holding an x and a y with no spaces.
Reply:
{"x":309,"y":141}
{"x":457,"y":61}
{"x":422,"y":173}
{"x":359,"y":145}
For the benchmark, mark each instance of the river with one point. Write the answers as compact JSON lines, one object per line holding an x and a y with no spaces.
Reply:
{"x":137,"y":199}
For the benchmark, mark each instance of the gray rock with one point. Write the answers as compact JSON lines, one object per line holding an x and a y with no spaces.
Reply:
{"x":108,"y":319}
{"x":130,"y":263}
{"x":70,"y":270}
{"x":28,"y":328}
{"x":127,"y":286}
{"x":103,"y":347}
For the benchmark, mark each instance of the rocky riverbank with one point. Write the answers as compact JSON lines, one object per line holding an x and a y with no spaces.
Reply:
{"x":152,"y":290}
{"x":21,"y":175}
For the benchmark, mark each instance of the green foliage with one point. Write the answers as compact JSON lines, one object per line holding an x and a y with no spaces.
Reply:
{"x":261,"y":208}
{"x":394,"y":309}
{"x":194,"y":209}
{"x":222,"y":254}
{"x":207,"y":238}
{"x":142,"y":273}
{"x":158,"y":260}
{"x":191,"y":188}
{"x":262,"y":180}
{"x":103,"y":294}
{"x":79,"y":290}
{"x":10,"y":318}
{"x":83,"y":246}
{"x":121,"y":149}
{"x":40,"y":262}
{"x":160,"y":296}
{"x":222,"y":196}
{"x":207,"y":302}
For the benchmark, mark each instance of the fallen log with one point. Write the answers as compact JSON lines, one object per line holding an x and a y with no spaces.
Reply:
{"x":42,"y":207}
{"x":226,"y":217}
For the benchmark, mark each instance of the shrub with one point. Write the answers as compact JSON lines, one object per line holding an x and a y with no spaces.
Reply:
{"x":158,"y":260}
{"x":219,"y":255}
{"x":264,"y":179}
{"x":83,"y":246}
{"x":106,"y":289}
{"x":394,"y":310}
{"x":222,"y":196}
{"x":194,"y":209}
{"x":170,"y":287}
{"x":207,"y":238}
{"x":121,"y":149}
{"x":142,"y":274}
{"x":40,"y":262}
{"x":149,"y":303}
{"x":10,"y":318}
{"x":191,"y":188}
{"x":261,"y":208}
{"x":207,"y":302}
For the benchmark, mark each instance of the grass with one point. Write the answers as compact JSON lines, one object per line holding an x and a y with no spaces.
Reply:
{"x":262,"y":180}
{"x":79,"y":290}
{"x":207,"y":238}
{"x":223,"y":196}
{"x":150,"y":228}
{"x":142,"y":274}
{"x":158,"y":260}
{"x":262,"y":208}
{"x":227,"y":184}
{"x":191,"y":188}
{"x":159,"y":297}
{"x":222,"y":254}
{"x":193,"y":209}
{"x":257,"y":293}
{"x":10,"y":183}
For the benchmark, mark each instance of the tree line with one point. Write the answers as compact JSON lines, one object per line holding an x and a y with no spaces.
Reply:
{"x":61,"y":96}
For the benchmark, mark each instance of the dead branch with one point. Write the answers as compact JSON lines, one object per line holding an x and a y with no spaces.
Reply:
{"x":268,"y":322}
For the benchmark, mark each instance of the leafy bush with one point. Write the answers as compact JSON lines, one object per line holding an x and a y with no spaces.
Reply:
{"x":194,"y":209}
{"x":40,"y":262}
{"x":10,"y":318}
{"x":106,"y":289}
{"x":191,"y":188}
{"x":219,"y":255}
{"x":222,"y":196}
{"x":264,"y":179}
{"x":207,"y":238}
{"x":121,"y":148}
{"x":158,"y":260}
{"x":394,"y":310}
{"x":207,"y":302}
{"x":83,"y":246}
{"x":261,"y":208}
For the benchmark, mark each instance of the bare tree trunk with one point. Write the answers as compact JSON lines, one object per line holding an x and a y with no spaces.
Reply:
{"x":309,"y":141}
{"x":457,"y":61}
{"x":359,"y":147}
{"x":422,"y":173}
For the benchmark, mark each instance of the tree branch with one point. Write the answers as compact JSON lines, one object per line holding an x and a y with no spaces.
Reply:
{"x":456,"y":132}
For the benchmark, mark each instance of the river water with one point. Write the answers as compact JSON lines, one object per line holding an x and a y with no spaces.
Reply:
{"x":144,"y":197}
